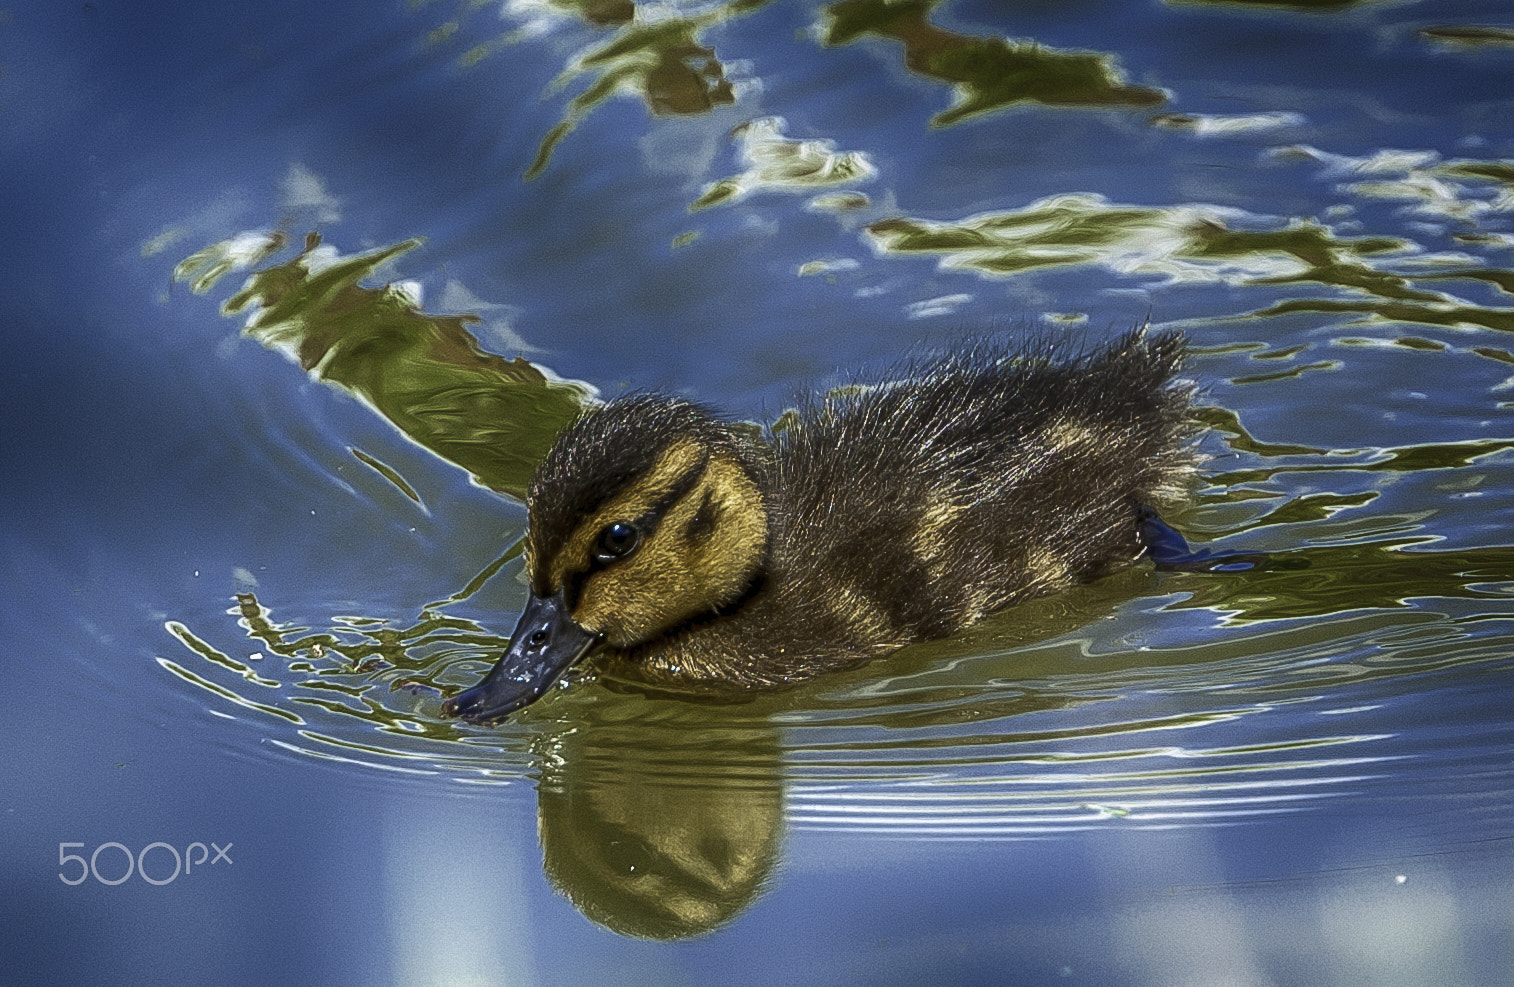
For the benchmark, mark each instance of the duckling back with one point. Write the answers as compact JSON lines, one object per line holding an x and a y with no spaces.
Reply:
{"x":917,"y":509}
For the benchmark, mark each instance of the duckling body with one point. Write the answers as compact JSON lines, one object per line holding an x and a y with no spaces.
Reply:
{"x":695,"y":554}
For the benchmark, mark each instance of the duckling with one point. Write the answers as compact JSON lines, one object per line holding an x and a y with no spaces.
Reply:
{"x":692,"y":553}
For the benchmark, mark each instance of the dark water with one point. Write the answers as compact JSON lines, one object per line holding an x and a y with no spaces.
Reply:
{"x":296,"y":294}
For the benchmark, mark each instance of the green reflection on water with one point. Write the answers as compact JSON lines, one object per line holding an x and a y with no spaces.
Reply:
{"x":663,"y":61}
{"x":988,"y":73}
{"x":1380,"y":277}
{"x":1224,"y":124}
{"x":1501,"y":319}
{"x":776,"y":162}
{"x":1294,"y":371}
{"x":1228,"y":423}
{"x":659,"y":59}
{"x":389,"y":473}
{"x":229,"y":695}
{"x":425,"y":373}
{"x":1469,"y":35}
{"x":1326,"y":259}
{"x":1335,"y":579}
{"x":1062,"y":229}
{"x":1493,"y":353}
{"x":352,"y":670}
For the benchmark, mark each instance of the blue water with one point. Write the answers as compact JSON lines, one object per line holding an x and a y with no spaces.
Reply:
{"x":1297,"y":776}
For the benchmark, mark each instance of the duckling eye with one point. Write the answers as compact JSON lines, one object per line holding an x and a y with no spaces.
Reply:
{"x":616,"y":542}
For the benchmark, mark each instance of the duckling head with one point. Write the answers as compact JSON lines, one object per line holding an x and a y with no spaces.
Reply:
{"x":646,"y":514}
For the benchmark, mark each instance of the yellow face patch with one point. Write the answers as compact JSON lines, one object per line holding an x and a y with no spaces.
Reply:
{"x":638,"y":499}
{"x":701,"y":528}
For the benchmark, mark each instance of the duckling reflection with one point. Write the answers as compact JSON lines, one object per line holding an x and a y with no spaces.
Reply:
{"x":661,"y":818}
{"x":661,"y":830}
{"x":696,"y":556}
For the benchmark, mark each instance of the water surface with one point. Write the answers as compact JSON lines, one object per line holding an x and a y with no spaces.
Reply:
{"x":298,"y":296}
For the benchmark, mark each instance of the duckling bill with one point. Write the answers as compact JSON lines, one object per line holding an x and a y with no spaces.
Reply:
{"x":692,"y":554}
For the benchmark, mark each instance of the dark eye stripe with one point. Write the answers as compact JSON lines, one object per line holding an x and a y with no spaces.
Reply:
{"x":677,"y":492}
{"x":652,"y":516}
{"x":644,"y":526}
{"x":702,"y":524}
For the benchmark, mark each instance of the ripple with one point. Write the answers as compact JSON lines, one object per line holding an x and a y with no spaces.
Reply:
{"x":999,"y":735}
